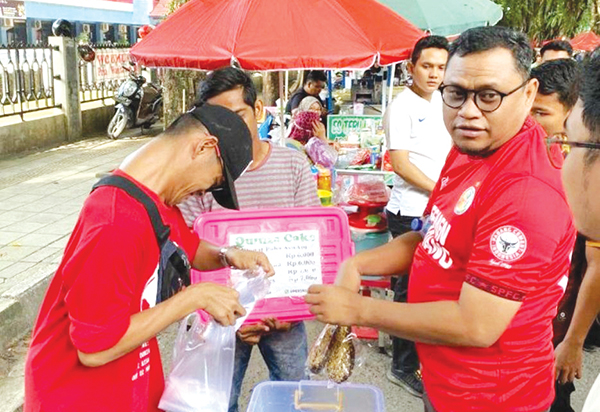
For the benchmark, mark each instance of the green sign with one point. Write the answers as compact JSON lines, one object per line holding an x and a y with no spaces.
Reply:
{"x":338,"y":126}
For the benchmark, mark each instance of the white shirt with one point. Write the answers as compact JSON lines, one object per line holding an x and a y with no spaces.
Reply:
{"x":592,"y":402}
{"x":414,"y":124}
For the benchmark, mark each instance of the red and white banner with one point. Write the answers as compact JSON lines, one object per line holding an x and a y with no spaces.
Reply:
{"x":109,"y":64}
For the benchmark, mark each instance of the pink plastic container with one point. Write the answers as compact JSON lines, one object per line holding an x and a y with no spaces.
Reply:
{"x":305,"y":245}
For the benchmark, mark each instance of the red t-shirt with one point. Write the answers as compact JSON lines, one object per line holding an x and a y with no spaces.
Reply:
{"x":105,"y":277}
{"x":502,"y":224}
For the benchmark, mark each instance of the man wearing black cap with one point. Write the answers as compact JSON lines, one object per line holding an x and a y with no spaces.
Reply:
{"x":93,"y":346}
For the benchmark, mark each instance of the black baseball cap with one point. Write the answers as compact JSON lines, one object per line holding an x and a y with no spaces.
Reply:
{"x":235,"y":147}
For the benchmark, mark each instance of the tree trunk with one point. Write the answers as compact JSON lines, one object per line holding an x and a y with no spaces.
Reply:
{"x":270,"y":89}
{"x":174,"y":83}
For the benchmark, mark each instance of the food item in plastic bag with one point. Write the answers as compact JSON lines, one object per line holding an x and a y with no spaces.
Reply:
{"x":203,"y":355}
{"x":336,"y":350}
{"x":362,"y":157}
{"x":320,"y":152}
{"x":317,"y":358}
{"x":368,"y":191}
{"x":342,"y":356}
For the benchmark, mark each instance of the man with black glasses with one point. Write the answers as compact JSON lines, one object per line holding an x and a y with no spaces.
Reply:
{"x":490,"y":269}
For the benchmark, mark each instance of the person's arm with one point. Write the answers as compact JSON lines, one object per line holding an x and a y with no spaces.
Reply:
{"x":477,"y":319}
{"x":208,"y":258}
{"x":569,"y":353}
{"x":409,"y":172}
{"x":386,"y":260}
{"x":219,"y":301}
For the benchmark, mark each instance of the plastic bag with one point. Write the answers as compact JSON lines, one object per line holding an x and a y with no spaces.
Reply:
{"x":335,"y":353}
{"x":203,"y":355}
{"x":321,"y":153}
{"x":368,"y":191}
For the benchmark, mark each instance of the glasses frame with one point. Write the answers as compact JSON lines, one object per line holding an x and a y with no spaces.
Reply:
{"x":475,"y":93}
{"x":562,"y":139}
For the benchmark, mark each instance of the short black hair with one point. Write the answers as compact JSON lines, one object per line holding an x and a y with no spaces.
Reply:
{"x":590,"y":95}
{"x":560,"y":76}
{"x":558,"y":45}
{"x":223,"y":80}
{"x":429,"y":42}
{"x":315,"y":76}
{"x":182,"y":125}
{"x":481,"y":39}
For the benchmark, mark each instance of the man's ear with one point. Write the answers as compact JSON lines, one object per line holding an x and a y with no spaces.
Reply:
{"x":531,"y":91}
{"x":410,"y":67}
{"x":202,"y":144}
{"x":258,"y":108}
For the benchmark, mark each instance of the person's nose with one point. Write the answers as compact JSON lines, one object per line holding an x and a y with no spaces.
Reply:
{"x":469,"y":109}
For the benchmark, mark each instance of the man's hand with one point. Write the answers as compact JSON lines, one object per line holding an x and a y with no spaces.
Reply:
{"x":334,"y":304}
{"x":276,"y":326}
{"x":568,"y":361}
{"x":249,"y":260}
{"x":218,"y":301}
{"x":251,"y":334}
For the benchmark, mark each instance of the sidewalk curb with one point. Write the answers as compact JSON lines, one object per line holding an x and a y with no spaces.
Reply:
{"x":19,"y":305}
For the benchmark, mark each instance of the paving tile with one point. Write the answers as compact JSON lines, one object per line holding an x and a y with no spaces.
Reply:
{"x":38,"y":239}
{"x":23,"y":227}
{"x":60,"y":243}
{"x":40,"y":206}
{"x":46,"y":255}
{"x":13,"y":252}
{"x":15,"y":270}
{"x":61,"y":227}
{"x":6,"y":205}
{"x":45,"y":218}
{"x":15,"y":216}
{"x":7,"y":237}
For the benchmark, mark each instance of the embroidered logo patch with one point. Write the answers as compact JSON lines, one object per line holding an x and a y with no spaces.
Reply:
{"x":508,"y":243}
{"x":465,"y":201}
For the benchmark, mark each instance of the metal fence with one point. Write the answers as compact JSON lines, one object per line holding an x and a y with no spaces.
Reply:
{"x":27,"y":79}
{"x":101,"y":78}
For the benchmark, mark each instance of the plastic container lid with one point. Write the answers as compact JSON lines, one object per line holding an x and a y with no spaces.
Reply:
{"x":315,"y":396}
{"x":314,"y":239}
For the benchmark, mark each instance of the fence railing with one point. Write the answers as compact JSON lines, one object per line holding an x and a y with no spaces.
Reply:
{"x":26,"y":79}
{"x":101,"y":78}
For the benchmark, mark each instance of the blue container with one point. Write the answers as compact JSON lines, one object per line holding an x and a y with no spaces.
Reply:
{"x":315,"y":396}
{"x":365,"y":239}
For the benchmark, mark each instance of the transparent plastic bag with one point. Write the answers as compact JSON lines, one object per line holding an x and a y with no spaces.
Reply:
{"x":321,"y":153}
{"x":367,"y":191}
{"x":335,"y":354}
{"x":203,"y":354}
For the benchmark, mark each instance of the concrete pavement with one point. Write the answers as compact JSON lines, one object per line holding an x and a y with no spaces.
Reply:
{"x":40,"y":198}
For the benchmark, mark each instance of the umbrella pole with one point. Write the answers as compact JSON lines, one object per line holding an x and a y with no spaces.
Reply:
{"x":281,"y":110}
{"x":391,"y":80}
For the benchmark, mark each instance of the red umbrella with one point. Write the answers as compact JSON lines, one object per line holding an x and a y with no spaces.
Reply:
{"x":587,"y":41}
{"x":278,"y":34}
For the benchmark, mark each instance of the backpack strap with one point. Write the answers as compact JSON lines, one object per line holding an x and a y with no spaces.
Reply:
{"x":161,"y":231}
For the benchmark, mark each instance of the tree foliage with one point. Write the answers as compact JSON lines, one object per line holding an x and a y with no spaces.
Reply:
{"x":175,"y":81}
{"x":548,"y":19}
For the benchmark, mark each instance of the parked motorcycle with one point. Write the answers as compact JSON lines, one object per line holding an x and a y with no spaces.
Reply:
{"x":139,"y":104}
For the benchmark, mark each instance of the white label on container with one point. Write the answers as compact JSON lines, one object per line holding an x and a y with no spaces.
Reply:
{"x":296,"y":257}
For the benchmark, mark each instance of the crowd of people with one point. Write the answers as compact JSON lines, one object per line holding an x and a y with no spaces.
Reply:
{"x":494,"y":295}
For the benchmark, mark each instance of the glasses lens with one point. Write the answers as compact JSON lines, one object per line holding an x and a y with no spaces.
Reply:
{"x":454,"y":96}
{"x":488,"y":100}
{"x":557,"y":150}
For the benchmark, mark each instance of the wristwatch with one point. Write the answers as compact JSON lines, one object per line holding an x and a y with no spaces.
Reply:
{"x":223,"y":256}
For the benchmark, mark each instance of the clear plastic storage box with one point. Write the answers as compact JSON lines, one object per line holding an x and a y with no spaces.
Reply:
{"x":308,"y":396}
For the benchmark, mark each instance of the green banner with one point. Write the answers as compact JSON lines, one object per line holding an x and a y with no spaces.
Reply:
{"x":338,"y":126}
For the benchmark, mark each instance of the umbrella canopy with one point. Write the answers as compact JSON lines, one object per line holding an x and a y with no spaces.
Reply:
{"x":278,"y":34}
{"x":587,"y":41}
{"x":447,"y":17}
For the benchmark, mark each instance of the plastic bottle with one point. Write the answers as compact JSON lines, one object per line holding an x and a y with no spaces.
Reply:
{"x":324,"y":181}
{"x":421,"y":225}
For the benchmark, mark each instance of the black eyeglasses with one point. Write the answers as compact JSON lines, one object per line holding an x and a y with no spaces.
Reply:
{"x":559,"y":147}
{"x":486,"y":100}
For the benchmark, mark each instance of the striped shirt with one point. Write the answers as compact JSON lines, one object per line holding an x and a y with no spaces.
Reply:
{"x":283,"y":179}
